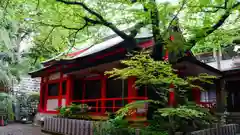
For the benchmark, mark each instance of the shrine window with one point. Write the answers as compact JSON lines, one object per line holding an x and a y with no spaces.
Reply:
{"x":93,"y":89}
{"x":53,"y":89}
{"x":118,"y":90}
{"x":78,"y":90}
{"x":210,"y":94}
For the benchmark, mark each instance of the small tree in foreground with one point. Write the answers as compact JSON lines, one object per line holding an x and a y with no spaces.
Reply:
{"x":159,"y":75}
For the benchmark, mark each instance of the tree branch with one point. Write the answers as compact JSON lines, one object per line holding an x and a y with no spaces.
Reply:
{"x":24,"y":35}
{"x":218,"y":24}
{"x":137,"y":27}
{"x":62,"y":26}
{"x":213,"y":6}
{"x":211,"y":11}
{"x":5,"y":8}
{"x":216,"y":8}
{"x":120,"y":33}
{"x":226,"y":3}
{"x":91,"y":20}
{"x":101,"y":19}
{"x":38,"y":3}
{"x":175,"y":16}
{"x":83,"y":6}
{"x":73,"y":41}
{"x":51,"y":31}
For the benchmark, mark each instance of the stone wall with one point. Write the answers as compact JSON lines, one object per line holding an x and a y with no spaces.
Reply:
{"x":27,"y":84}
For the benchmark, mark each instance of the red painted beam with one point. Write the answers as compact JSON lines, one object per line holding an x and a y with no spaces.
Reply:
{"x":107,"y":54}
{"x":41,"y":95}
{"x":57,"y":80}
{"x":171,"y":101}
{"x":98,"y":77}
{"x":77,"y":52}
{"x":46,"y":93}
{"x":68,"y":90}
{"x":196,"y":95}
{"x":146,"y":44}
{"x":131,"y":88}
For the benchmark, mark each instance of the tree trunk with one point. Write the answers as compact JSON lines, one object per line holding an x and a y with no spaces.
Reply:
{"x":158,"y":40}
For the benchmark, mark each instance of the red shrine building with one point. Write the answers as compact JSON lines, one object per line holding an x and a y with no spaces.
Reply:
{"x":79,"y":78}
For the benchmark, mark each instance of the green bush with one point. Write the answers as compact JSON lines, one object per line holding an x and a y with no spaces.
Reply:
{"x":74,"y":111}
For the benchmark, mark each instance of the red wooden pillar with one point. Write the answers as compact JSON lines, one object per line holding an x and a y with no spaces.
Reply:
{"x":131,"y":89}
{"x":69,"y":91}
{"x":103,"y":93}
{"x":41,"y":95}
{"x":60,"y":90}
{"x":46,"y":93}
{"x":171,"y":95}
{"x":196,"y":95}
{"x":166,"y":55}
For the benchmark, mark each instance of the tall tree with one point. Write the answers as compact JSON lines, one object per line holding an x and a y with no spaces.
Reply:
{"x":200,"y":21}
{"x":13,"y":36}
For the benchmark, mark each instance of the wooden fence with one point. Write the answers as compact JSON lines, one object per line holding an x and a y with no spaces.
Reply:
{"x":230,"y":129}
{"x":62,"y":126}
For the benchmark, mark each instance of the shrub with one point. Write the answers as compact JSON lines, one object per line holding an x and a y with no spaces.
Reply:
{"x":74,"y":111}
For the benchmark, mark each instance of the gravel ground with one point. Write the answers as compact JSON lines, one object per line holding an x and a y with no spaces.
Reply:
{"x":20,"y":129}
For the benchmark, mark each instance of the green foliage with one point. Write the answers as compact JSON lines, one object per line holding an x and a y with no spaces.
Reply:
{"x":34,"y":96}
{"x":13,"y":37}
{"x":182,"y":112}
{"x":58,"y":26}
{"x":121,"y":126}
{"x":6,"y":102}
{"x":199,"y":17}
{"x":129,"y":109}
{"x":158,"y":74}
{"x":187,"y":118}
{"x":184,"y":118}
{"x":147,"y":71}
{"x":74,"y":111}
{"x":57,"y":22}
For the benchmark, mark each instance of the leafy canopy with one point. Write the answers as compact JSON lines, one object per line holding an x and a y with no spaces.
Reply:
{"x":60,"y":22}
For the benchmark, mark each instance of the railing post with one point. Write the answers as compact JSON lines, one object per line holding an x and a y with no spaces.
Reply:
{"x":96,"y":105}
{"x":113,"y":105}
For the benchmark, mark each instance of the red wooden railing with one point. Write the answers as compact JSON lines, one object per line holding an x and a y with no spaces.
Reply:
{"x":114,"y":108}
